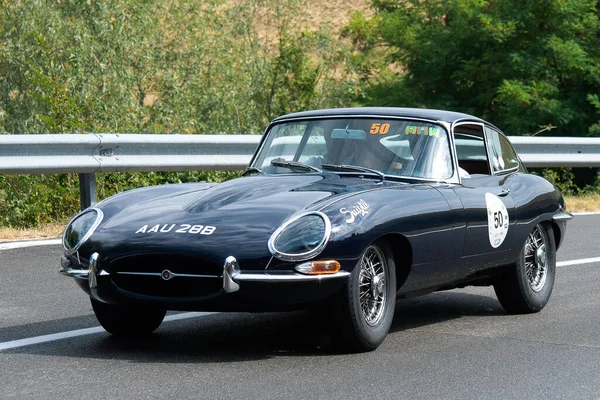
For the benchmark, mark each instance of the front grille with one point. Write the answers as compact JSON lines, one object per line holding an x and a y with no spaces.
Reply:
{"x":141,"y":274}
{"x":178,"y":287}
{"x":179,"y":264}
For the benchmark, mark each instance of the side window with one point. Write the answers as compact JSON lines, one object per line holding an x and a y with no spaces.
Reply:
{"x":470,"y":150}
{"x":502,"y":154}
{"x":469,"y":147}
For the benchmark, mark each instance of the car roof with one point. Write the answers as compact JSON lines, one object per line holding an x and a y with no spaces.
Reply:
{"x":419,"y":113}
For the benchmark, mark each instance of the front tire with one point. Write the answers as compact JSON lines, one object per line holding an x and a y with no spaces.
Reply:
{"x":369,"y":301}
{"x":526,"y":288}
{"x":127,"y":321}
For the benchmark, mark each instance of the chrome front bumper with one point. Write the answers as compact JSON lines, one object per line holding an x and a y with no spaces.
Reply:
{"x":562,"y":217}
{"x":232,"y":275}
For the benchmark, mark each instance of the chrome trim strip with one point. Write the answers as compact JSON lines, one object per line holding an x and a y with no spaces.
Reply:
{"x":453,"y":149}
{"x":231,"y":270}
{"x":507,"y":171}
{"x":562,"y":216}
{"x":88,"y":234}
{"x":348,"y":116}
{"x":233,"y":276}
{"x":288,"y":276}
{"x":93,"y":272}
{"x":139,"y":273}
{"x":308,"y":254}
{"x":173,"y":274}
{"x":73,"y":272}
{"x":241,"y":276}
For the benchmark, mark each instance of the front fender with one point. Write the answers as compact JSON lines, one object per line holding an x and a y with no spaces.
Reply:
{"x":418,"y":212}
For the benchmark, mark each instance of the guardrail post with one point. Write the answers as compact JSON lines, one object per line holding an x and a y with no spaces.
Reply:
{"x":87,"y":190}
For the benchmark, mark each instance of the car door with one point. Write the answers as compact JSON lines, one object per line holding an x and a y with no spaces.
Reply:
{"x":485,"y":194}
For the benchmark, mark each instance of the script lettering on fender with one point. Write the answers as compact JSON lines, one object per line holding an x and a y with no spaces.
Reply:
{"x":361,"y":208}
{"x":183,"y":228}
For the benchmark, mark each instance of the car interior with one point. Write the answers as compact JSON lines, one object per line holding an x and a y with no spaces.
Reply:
{"x":471,"y":150}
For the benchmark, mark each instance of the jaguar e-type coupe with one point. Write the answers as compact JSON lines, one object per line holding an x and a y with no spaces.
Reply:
{"x":340,"y":210}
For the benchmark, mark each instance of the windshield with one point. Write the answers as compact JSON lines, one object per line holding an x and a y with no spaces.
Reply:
{"x":392,"y":146}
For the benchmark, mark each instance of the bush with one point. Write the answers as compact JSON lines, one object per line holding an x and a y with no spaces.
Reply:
{"x":572,"y":181}
{"x":152,"y":66}
{"x":30,"y":200}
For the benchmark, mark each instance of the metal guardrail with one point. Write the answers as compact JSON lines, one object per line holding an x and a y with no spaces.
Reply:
{"x":541,"y":152}
{"x":89,"y":154}
{"x":94,"y":153}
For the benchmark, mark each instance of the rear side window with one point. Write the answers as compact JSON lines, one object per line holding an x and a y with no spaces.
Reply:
{"x":502,"y":155}
{"x":471,"y":150}
{"x":469,"y":147}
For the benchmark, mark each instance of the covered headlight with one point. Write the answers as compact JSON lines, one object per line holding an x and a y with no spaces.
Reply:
{"x":80,"y":228}
{"x":301,"y":238}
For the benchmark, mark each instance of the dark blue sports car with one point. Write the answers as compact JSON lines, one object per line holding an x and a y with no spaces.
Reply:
{"x":341,"y":211}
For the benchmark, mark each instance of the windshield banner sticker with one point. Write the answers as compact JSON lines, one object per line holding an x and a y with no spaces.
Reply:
{"x":497,"y":220}
{"x":361,"y":208}
{"x":422,"y":130}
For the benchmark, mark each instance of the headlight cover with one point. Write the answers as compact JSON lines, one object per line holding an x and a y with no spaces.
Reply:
{"x":301,"y":237}
{"x":80,"y":228}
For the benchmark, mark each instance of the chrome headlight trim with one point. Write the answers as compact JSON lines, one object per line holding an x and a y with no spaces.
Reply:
{"x":98,"y":219}
{"x":308,"y":254}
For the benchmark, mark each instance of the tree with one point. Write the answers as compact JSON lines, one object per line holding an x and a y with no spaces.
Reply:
{"x":524,"y":65}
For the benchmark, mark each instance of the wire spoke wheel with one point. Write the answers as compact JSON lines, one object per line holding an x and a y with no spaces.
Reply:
{"x":526,"y":285}
{"x":536,"y":259}
{"x":362,"y":318}
{"x":372,"y":285}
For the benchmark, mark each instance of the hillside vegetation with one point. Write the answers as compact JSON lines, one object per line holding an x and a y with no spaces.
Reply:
{"x":216,"y":66}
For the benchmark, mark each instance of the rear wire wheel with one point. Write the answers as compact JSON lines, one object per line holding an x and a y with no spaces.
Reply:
{"x":527,"y":285}
{"x":369,"y":301}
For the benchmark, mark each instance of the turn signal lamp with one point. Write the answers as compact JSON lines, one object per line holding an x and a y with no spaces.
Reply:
{"x":319,"y":267}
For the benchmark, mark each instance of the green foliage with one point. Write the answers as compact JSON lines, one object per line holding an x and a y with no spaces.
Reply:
{"x":160,"y":66}
{"x":572,"y":181}
{"x":595,"y":101}
{"x":29,"y":200}
{"x":152,"y":66}
{"x":563,"y":178}
{"x":522,"y":65}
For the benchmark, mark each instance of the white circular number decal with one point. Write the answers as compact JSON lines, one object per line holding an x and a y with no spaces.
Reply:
{"x":497,"y":219}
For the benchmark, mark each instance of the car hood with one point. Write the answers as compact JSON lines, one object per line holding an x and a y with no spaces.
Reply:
{"x":236,"y":217}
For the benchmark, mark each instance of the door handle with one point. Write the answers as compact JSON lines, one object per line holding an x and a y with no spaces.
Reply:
{"x":504,"y":193}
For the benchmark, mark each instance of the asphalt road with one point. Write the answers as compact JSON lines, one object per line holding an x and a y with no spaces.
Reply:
{"x":451,"y":345}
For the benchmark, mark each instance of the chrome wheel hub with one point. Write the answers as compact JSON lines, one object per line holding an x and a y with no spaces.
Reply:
{"x":536,"y":259}
{"x":378,"y":285}
{"x":372,"y":284}
{"x":540,"y":256}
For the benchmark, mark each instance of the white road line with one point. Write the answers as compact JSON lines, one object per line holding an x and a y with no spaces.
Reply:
{"x":175,"y":317}
{"x":82,"y":332}
{"x":49,"y":338}
{"x":28,"y":243}
{"x":587,"y":213}
{"x":577,"y":262}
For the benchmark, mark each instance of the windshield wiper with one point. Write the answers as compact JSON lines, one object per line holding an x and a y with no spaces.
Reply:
{"x":345,"y":167}
{"x":294,"y":165}
{"x":250,"y":170}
